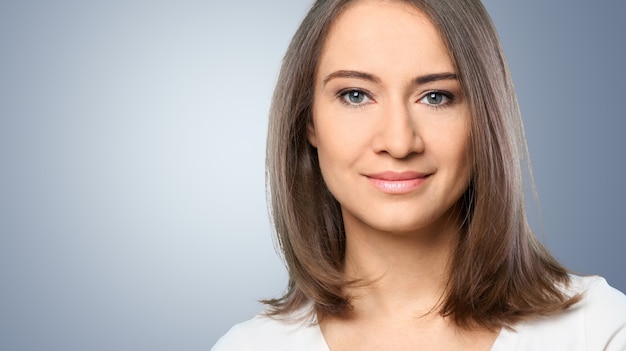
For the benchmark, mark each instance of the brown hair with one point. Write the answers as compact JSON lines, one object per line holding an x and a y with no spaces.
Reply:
{"x":500,"y":272}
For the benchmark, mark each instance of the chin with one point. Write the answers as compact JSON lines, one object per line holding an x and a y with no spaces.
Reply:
{"x":406,"y":222}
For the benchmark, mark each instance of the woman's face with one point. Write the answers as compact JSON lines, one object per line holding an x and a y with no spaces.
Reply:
{"x":390,"y":123}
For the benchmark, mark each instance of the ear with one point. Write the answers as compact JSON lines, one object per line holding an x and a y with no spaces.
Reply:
{"x":310,"y":133}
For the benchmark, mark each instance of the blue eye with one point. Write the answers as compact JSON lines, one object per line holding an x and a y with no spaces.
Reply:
{"x":354,"y":97}
{"x":435,"y":99}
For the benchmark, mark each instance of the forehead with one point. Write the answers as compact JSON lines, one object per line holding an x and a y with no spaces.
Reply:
{"x":375,"y":35}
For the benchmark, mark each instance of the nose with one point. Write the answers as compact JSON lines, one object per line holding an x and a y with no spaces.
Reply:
{"x":398,"y":134}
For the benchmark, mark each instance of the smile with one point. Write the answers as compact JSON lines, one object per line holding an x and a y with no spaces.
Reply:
{"x":397,"y":183}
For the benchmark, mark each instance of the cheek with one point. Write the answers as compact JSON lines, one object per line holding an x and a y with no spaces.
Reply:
{"x":454,"y":151}
{"x":462,"y":148}
{"x":340,"y":139}
{"x":334,"y":149}
{"x":463,"y":156}
{"x":465,"y":160}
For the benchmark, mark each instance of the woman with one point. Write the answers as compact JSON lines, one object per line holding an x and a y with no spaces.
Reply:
{"x":394,"y":162}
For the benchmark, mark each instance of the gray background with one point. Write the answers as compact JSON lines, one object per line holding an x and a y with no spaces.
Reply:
{"x":132,"y":201}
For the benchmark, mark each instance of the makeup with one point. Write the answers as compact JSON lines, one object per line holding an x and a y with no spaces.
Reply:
{"x":397,"y":182}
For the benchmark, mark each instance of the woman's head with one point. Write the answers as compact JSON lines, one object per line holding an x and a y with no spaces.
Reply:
{"x":308,"y":218}
{"x":389,"y":123}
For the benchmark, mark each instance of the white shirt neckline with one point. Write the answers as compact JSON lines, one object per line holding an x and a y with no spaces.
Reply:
{"x":505,"y":337}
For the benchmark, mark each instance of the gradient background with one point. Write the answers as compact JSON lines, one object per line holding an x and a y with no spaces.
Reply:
{"x":132,"y":201}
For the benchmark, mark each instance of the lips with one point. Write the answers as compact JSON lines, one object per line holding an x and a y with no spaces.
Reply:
{"x":397,"y":182}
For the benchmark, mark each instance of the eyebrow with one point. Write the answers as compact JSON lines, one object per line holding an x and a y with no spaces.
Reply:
{"x":351,"y":74}
{"x":428,"y":78}
{"x":435,"y":77}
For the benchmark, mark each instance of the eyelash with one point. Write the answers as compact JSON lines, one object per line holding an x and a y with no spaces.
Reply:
{"x":448,"y":98}
{"x":342,"y":95}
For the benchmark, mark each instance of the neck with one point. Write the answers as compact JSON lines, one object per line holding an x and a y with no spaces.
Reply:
{"x":403,"y":272}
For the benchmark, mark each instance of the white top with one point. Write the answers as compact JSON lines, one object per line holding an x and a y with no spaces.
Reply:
{"x":597,"y":322}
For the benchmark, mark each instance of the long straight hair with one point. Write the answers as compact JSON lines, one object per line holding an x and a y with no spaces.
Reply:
{"x":500,"y":273}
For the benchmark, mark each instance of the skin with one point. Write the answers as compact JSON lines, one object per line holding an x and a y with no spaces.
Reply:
{"x":387,"y":100}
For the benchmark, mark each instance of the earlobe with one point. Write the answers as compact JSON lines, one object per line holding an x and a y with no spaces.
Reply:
{"x":310,"y":133}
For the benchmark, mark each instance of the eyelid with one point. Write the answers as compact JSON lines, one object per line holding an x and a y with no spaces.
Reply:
{"x":451,"y":98}
{"x":341,"y":95}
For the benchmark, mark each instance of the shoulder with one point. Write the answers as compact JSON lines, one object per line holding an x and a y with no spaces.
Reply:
{"x":604,"y":309}
{"x":599,"y":296}
{"x":596,"y":322}
{"x":268,"y":333}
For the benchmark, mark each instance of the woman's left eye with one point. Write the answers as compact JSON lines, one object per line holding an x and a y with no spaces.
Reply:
{"x":435,"y":99}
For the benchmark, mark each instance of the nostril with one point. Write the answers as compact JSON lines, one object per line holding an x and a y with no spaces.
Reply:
{"x":399,"y":139}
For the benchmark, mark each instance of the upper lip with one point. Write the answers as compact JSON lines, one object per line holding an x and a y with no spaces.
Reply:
{"x":397,"y":176}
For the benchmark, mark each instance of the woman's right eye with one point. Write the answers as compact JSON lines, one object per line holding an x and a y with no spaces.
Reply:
{"x":354,"y":97}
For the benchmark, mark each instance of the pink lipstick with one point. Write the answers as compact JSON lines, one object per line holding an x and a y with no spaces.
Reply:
{"x":397,"y":182}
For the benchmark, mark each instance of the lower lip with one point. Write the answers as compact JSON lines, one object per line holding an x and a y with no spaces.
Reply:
{"x":397,"y":186}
